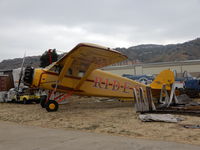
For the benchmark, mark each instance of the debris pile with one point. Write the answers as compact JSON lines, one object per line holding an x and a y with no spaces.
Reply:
{"x":159,"y":118}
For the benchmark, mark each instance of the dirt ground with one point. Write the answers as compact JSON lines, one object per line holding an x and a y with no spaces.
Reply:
{"x":101,"y":116}
{"x":22,"y":137}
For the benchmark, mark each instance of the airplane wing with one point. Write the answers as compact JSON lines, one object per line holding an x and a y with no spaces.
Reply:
{"x":93,"y":54}
{"x":85,"y":58}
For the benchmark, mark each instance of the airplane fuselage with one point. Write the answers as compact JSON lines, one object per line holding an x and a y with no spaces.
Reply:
{"x":98,"y":83}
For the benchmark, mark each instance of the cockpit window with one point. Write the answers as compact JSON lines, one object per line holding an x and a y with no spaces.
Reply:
{"x":81,"y":74}
{"x":56,"y":69}
{"x":69,"y":72}
{"x":77,"y":69}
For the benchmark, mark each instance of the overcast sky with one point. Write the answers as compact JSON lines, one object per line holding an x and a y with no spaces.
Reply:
{"x":38,"y":25}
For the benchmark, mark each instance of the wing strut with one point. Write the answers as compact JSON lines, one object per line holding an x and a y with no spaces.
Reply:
{"x":64,"y":69}
{"x":90,"y":69}
{"x":63,"y":72}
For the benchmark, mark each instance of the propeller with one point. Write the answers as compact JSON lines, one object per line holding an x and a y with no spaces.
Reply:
{"x":21,"y":72}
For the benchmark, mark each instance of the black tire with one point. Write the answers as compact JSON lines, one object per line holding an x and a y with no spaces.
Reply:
{"x":42,"y":101}
{"x":51,"y":106}
{"x":37,"y":101}
{"x":25,"y":101}
{"x":13,"y":101}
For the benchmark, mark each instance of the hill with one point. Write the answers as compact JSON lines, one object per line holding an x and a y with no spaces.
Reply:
{"x":17,"y":62}
{"x":163,"y":53}
{"x":146,"y":53}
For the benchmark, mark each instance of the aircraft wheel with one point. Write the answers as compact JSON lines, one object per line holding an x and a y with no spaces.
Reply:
{"x":51,"y":106}
{"x":13,"y":101}
{"x":37,"y":101}
{"x":25,"y":101}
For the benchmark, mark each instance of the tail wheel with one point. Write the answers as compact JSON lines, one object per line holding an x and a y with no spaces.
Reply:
{"x":51,"y":106}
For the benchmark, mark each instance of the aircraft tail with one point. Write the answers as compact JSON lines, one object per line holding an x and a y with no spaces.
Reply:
{"x":166,"y":77}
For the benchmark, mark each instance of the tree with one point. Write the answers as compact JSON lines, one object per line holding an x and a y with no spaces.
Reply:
{"x":48,"y":57}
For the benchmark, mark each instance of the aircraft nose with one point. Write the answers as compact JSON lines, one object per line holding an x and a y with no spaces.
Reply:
{"x":28,"y":75}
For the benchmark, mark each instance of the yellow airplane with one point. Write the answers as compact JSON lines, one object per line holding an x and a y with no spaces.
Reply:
{"x":78,"y":72}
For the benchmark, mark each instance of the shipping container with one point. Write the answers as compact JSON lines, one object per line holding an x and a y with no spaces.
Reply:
{"x":6,"y":82}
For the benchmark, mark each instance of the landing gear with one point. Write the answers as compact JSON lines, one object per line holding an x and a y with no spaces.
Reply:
{"x":51,"y":101}
{"x":51,"y":106}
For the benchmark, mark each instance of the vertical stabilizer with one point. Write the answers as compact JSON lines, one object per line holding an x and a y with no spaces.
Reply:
{"x":166,"y":77}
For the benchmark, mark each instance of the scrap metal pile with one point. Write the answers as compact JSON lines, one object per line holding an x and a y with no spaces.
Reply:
{"x":168,"y":103}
